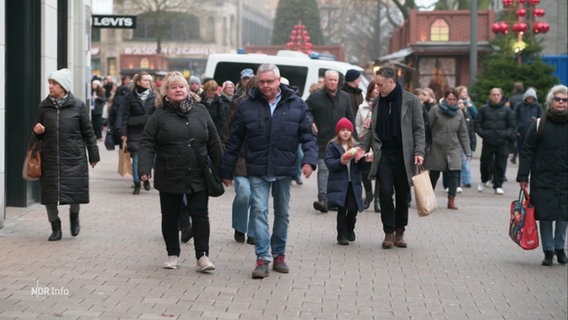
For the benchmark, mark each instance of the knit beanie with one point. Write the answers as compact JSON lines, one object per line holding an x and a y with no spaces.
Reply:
{"x":352,"y":75}
{"x":194,"y":79}
{"x":63,"y":77}
{"x":531,"y":92}
{"x":343,"y":123}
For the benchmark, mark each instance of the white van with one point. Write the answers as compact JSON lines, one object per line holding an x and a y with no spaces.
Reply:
{"x":297,"y":67}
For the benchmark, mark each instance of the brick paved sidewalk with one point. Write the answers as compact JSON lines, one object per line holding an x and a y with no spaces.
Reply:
{"x":459,"y":265}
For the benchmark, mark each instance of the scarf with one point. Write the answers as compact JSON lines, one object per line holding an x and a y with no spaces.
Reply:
{"x":183,"y":106}
{"x":448,"y":110}
{"x":142,"y":93}
{"x":553,"y":115}
{"x":58,"y":102}
{"x":389,"y":115}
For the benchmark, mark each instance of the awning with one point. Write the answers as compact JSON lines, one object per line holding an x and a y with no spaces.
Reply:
{"x":397,"y":56}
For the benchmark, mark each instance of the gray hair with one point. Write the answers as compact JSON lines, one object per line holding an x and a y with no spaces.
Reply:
{"x":266,"y":67}
{"x":387,"y":73}
{"x":330,"y":72}
{"x":554,"y":90}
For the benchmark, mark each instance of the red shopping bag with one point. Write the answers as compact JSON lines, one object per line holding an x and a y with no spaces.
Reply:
{"x":522,"y":224}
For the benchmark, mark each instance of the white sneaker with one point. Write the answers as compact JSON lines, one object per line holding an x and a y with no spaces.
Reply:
{"x":481,"y":187}
{"x":171,"y":263}
{"x":499,"y":191}
{"x":489,"y":183}
{"x":459,"y":190}
{"x":204,"y":264}
{"x":447,"y":190}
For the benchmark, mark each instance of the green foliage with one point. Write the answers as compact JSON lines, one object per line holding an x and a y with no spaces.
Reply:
{"x":289,"y":13}
{"x":501,"y":70}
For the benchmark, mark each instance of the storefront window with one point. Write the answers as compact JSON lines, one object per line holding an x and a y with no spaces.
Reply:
{"x":438,"y":74}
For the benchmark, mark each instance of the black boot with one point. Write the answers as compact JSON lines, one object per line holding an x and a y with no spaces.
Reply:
{"x":136,"y":188}
{"x":548,"y":256}
{"x":561,"y":256}
{"x":56,"y":228}
{"x":377,"y":205}
{"x":342,"y":229}
{"x":321,"y":204}
{"x":368,"y":200}
{"x":75,"y":227}
{"x":147,"y":186}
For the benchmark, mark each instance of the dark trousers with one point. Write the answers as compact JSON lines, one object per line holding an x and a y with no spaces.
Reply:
{"x":393,"y":181}
{"x":493,"y":163}
{"x":452,"y":176}
{"x":347,"y":215}
{"x":172,"y":207}
{"x":96,"y":120}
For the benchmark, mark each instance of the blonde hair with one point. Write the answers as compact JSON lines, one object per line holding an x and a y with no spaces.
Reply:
{"x":350,"y":142}
{"x":171,"y":78}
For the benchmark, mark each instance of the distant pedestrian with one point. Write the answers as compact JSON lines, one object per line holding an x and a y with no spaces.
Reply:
{"x":65,"y":132}
{"x":98,"y":101}
{"x":178,"y":129}
{"x":344,"y":189}
{"x":351,"y":87}
{"x":270,"y":123}
{"x":526,"y":113}
{"x":495,"y":124}
{"x":326,"y":107}
{"x":545,"y":159}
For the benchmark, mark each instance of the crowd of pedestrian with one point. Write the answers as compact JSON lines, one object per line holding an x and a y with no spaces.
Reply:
{"x":262,"y":136}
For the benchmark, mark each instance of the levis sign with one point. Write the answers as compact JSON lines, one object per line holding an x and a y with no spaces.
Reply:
{"x":109,"y":21}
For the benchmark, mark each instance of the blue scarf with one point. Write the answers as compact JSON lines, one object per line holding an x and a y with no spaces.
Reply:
{"x":448,"y":110}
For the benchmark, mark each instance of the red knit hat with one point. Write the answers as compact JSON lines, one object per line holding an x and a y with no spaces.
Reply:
{"x":343,"y":123}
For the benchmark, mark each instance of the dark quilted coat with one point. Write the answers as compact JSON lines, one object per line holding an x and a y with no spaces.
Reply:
{"x":65,"y":169}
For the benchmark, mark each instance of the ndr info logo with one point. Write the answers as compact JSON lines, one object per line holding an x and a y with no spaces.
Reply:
{"x":49,"y":291}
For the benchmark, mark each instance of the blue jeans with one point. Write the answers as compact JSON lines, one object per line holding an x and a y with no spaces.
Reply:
{"x":466,"y":170}
{"x":135,"y":176}
{"x":323,"y":174}
{"x":260,"y":189}
{"x":553,"y":240}
{"x":241,"y":204}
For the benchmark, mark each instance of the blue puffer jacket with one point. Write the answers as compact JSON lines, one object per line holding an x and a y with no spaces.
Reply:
{"x":270,"y":142}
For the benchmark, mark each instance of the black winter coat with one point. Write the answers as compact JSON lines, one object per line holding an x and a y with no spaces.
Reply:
{"x":271,"y":142}
{"x":546,"y":161}
{"x":495,"y":124}
{"x":170,"y":137}
{"x":64,"y":166}
{"x":135,"y":113}
{"x":326,"y":111}
{"x":338,"y":179}
{"x":355,"y":96}
{"x":216,"y":109}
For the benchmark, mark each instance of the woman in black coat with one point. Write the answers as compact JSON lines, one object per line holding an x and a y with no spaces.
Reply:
{"x":136,"y":109}
{"x":178,"y":132}
{"x":545,"y":158}
{"x":65,"y":131}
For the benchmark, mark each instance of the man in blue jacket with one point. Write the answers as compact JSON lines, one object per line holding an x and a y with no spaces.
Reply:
{"x":270,"y":123}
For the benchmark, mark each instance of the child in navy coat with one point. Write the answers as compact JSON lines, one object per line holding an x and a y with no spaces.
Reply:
{"x":344,"y":182}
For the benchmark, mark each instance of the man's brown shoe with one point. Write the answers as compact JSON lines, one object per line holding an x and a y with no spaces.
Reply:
{"x":388,"y":242}
{"x":399,"y":239}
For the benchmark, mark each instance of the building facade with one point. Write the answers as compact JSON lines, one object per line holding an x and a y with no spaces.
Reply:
{"x":181,"y":41}
{"x":36,"y":38}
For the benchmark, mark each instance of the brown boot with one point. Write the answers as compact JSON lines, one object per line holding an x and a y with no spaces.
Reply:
{"x":388,"y":242}
{"x":399,"y":238}
{"x":452,"y":203}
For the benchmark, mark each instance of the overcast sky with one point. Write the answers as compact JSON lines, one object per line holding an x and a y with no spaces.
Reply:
{"x":425,"y":2}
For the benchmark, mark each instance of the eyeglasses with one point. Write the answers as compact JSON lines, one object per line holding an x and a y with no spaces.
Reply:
{"x":268,"y":82}
{"x":558,"y":99}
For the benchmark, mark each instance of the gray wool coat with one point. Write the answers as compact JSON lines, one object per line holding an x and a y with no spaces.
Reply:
{"x":413,"y":136}
{"x":449,"y":140}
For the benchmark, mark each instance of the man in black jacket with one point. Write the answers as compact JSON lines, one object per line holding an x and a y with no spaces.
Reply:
{"x":495,"y":124}
{"x":351,"y":87}
{"x":326,"y":107}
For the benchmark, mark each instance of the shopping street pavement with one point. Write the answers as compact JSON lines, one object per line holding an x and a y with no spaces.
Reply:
{"x":459,"y":264}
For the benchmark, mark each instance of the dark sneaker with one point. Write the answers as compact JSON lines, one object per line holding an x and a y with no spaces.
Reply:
{"x":342,"y":240}
{"x":250,"y":240}
{"x":321,"y":205}
{"x":351,"y":235}
{"x":280,"y":265}
{"x":261,"y":270}
{"x":147,"y":186}
{"x":239,"y":237}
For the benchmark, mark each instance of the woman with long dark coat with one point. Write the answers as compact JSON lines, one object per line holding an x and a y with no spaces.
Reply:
{"x":545,"y":158}
{"x":179,"y":131}
{"x":65,"y":131}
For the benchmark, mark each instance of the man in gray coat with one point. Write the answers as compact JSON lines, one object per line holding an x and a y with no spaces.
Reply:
{"x":397,"y":140}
